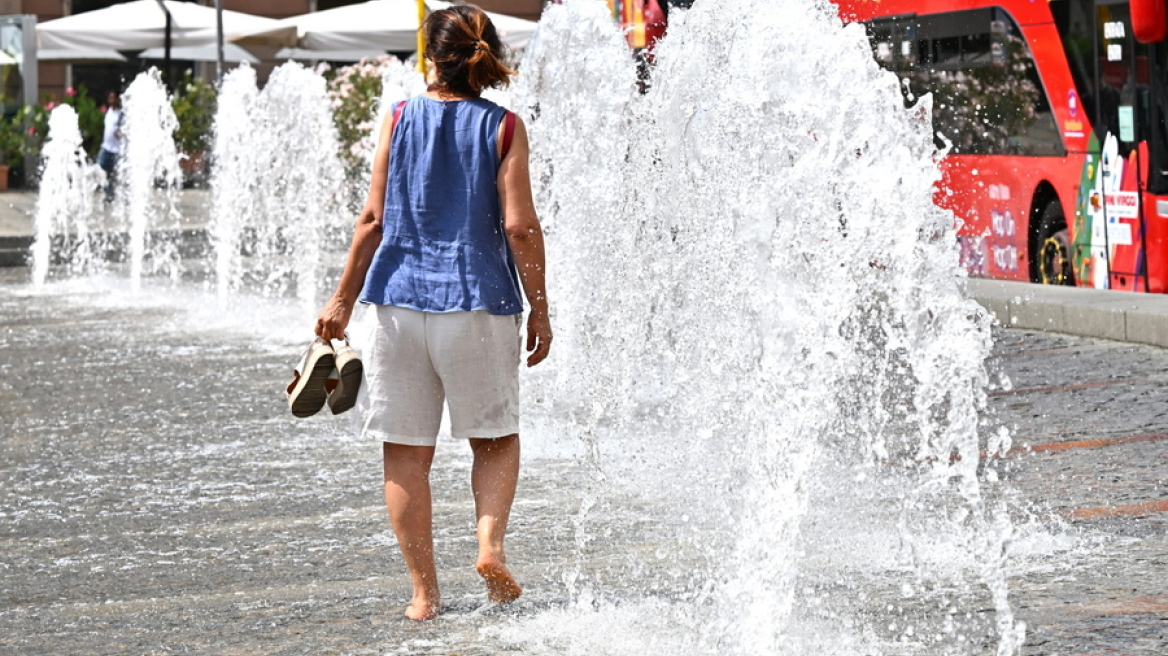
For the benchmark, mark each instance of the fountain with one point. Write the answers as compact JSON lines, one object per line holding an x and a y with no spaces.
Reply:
{"x":149,"y":178}
{"x":280,"y":194}
{"x":65,"y":212}
{"x":763,"y":340}
{"x":234,"y":178}
{"x":766,"y":385}
{"x":85,"y":233}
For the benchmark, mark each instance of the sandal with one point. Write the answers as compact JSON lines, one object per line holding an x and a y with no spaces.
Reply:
{"x":348,"y":366}
{"x":309,"y":388}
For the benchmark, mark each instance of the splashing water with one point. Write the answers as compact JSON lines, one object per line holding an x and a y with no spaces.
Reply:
{"x":763,"y":346}
{"x":64,"y":208}
{"x":281,"y":201}
{"x":399,"y":81}
{"x":234,"y":177}
{"x":149,"y":177}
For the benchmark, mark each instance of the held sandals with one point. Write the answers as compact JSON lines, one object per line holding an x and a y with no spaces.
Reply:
{"x":325,"y":375}
{"x":348,"y":372}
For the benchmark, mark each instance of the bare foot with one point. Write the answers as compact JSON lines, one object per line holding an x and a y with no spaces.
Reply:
{"x":501,"y":586}
{"x":422,"y":609}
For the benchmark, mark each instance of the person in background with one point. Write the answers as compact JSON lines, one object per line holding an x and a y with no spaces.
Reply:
{"x":111,"y":142}
{"x":447,"y":238}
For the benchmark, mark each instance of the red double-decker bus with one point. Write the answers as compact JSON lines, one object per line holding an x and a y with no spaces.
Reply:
{"x":1054,"y":114}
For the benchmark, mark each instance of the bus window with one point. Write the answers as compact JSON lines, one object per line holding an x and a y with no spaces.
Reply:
{"x":1116,"y":75}
{"x":1158,"y":127}
{"x":1075,"y":22}
{"x":987,"y":96}
{"x":1130,"y":77}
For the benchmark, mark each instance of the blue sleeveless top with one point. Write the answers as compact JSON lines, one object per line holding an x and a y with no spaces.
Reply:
{"x":443,"y":248}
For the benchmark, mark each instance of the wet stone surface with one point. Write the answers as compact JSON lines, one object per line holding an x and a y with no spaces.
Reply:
{"x":156,"y":499}
{"x":1109,"y":495}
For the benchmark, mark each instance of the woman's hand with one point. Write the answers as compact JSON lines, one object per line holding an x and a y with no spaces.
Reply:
{"x":539,"y":337}
{"x":334,"y":318}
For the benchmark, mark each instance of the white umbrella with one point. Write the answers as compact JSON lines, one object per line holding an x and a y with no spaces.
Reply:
{"x":372,"y":27}
{"x":328,"y":55}
{"x":84,"y":56}
{"x":142,"y":24}
{"x":205,"y":52}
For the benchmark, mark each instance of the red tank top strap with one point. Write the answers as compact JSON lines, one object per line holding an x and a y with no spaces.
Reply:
{"x":397,"y":112}
{"x":508,"y":131}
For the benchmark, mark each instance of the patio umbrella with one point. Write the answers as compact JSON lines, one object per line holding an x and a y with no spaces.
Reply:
{"x":83,"y":56}
{"x":373,"y":27}
{"x":142,"y":24}
{"x":205,"y":52}
{"x":326,"y":55}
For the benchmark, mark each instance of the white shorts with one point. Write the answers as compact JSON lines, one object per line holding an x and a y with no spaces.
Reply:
{"x":416,"y":360}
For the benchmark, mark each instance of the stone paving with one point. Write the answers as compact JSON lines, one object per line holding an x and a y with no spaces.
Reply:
{"x":1107,"y":403}
{"x":151,"y":503}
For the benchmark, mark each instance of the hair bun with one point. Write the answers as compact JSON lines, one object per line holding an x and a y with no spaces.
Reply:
{"x":482,"y":45}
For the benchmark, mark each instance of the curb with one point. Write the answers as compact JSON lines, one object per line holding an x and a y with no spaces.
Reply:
{"x":193,"y":242}
{"x":16,"y":251}
{"x":1103,"y":314}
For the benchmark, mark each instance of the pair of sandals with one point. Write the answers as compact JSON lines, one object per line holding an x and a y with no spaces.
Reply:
{"x":325,"y":375}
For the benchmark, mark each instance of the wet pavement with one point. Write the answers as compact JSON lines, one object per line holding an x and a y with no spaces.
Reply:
{"x":1089,"y":420}
{"x":155,"y":498}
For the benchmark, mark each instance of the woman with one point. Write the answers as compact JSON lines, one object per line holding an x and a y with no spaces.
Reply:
{"x":449,"y":216}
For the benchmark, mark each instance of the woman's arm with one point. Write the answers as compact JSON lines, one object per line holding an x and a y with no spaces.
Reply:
{"x":525,"y":237}
{"x":334,"y":318}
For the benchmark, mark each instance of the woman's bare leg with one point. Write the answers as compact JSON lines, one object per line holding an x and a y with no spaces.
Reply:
{"x":407,"y":495}
{"x":493,"y":480}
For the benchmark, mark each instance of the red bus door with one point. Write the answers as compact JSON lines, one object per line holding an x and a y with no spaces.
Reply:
{"x":1110,"y":232}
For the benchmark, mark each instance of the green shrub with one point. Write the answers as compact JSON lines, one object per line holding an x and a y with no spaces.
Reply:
{"x":354,"y":92}
{"x":25,"y":132}
{"x":194,"y":103}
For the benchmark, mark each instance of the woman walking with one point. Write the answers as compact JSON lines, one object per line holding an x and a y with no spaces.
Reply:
{"x":447,"y":237}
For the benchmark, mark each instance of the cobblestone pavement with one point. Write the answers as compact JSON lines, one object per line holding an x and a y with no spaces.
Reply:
{"x":149,"y":504}
{"x":1090,"y":426}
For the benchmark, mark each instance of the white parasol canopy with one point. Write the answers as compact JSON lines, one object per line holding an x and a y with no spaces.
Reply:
{"x":206,"y":52}
{"x":325,"y":55}
{"x":372,"y":27}
{"x":142,"y":24}
{"x":83,"y":56}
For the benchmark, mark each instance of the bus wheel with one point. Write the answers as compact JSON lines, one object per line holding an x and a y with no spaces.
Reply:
{"x":1054,"y":251}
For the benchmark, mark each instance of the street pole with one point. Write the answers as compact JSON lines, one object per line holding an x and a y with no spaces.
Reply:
{"x":421,"y":37}
{"x":166,"y":62}
{"x":219,"y":41}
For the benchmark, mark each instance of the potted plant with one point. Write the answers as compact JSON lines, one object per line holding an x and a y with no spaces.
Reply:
{"x":11,"y":148}
{"x":194,"y":107}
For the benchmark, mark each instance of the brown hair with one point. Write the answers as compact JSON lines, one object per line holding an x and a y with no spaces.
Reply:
{"x":466,"y":51}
